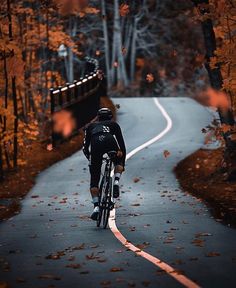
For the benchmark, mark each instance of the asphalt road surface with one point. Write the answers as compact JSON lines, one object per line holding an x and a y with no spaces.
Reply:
{"x":53,"y":243}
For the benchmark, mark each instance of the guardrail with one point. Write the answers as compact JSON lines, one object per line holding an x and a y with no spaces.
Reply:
{"x":79,"y":97}
{"x":65,"y":96}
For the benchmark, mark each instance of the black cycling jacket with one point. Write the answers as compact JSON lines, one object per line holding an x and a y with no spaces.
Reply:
{"x":103,"y":127}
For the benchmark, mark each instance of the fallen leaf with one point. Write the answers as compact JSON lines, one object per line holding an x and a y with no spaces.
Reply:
{"x":49,"y":276}
{"x":166,"y":153}
{"x":212,"y":254}
{"x":150,"y":78}
{"x":124,"y":10}
{"x":116,"y":269}
{"x":74,"y":266}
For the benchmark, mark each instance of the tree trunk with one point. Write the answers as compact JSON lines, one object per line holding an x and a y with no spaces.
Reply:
{"x":122,"y":73}
{"x":215,"y":76}
{"x":1,"y":158}
{"x":216,"y":80}
{"x":106,"y":43}
{"x":133,"y":52}
{"x":72,"y":33}
{"x":14,"y":96}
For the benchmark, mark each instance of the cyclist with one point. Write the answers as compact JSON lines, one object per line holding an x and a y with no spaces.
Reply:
{"x":103,"y":135}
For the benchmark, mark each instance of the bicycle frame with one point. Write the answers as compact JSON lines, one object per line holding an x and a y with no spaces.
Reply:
{"x":105,"y":193}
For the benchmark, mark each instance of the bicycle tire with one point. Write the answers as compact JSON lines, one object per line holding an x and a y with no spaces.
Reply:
{"x":99,"y":219}
{"x":106,"y":209}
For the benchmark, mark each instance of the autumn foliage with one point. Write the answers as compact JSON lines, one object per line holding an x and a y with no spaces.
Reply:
{"x":30,"y":35}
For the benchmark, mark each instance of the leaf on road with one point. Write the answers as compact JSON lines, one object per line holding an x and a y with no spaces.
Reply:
{"x":198,"y":242}
{"x":212,"y":254}
{"x":80,"y":247}
{"x":146,"y":283}
{"x":71,"y":258}
{"x":102,"y":260}
{"x":92,"y":256}
{"x":94,"y":246}
{"x":135,"y":204}
{"x":74,"y":266}
{"x":136,"y":180}
{"x":202,"y":235}
{"x":166,"y":153}
{"x":143,"y":245}
{"x":116,"y":269}
{"x":49,"y":276}
{"x":105,"y":283}
{"x":53,"y":257}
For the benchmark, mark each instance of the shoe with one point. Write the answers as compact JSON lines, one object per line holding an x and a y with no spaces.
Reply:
{"x":116,"y":190}
{"x":95,"y":213}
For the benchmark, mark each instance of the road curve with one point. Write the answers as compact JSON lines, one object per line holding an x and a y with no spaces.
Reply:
{"x":153,"y":214}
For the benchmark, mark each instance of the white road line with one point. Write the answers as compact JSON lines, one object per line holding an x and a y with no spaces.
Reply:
{"x":112,"y":220}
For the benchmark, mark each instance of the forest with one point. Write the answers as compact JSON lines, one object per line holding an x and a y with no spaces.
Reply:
{"x":145,"y":48}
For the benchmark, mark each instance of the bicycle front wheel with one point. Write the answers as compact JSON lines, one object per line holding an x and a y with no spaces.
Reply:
{"x":99,"y":219}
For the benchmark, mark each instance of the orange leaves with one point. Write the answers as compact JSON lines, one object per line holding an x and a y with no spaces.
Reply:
{"x":15,"y":67}
{"x":64,"y":123}
{"x":150,"y":78}
{"x":214,"y":98}
{"x":140,"y":62}
{"x":116,"y":269}
{"x":76,"y":7}
{"x":124,"y":10}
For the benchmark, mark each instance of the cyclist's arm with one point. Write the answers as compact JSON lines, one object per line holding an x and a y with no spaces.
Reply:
{"x":120,"y":139}
{"x":87,"y":140}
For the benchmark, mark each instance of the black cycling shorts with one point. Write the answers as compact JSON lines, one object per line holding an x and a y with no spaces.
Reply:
{"x":101,"y":144}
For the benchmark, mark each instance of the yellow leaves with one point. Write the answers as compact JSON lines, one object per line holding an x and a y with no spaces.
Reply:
{"x":124,"y":10}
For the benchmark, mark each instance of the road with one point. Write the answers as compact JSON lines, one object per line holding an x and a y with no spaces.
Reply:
{"x":53,"y":243}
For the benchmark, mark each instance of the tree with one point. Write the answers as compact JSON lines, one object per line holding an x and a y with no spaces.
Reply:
{"x":214,"y":72}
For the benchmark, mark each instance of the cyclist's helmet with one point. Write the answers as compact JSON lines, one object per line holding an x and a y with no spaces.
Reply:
{"x":104,"y":114}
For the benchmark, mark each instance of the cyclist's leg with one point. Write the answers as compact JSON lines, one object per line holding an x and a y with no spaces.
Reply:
{"x":95,"y":171}
{"x":119,"y":168}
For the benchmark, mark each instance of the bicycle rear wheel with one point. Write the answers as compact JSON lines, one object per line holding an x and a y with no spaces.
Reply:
{"x":107,"y":203}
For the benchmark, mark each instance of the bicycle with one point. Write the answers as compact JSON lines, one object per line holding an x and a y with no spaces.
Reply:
{"x":105,"y":191}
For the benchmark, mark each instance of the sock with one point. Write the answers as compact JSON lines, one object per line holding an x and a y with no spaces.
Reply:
{"x":95,"y":201}
{"x":117,"y":177}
